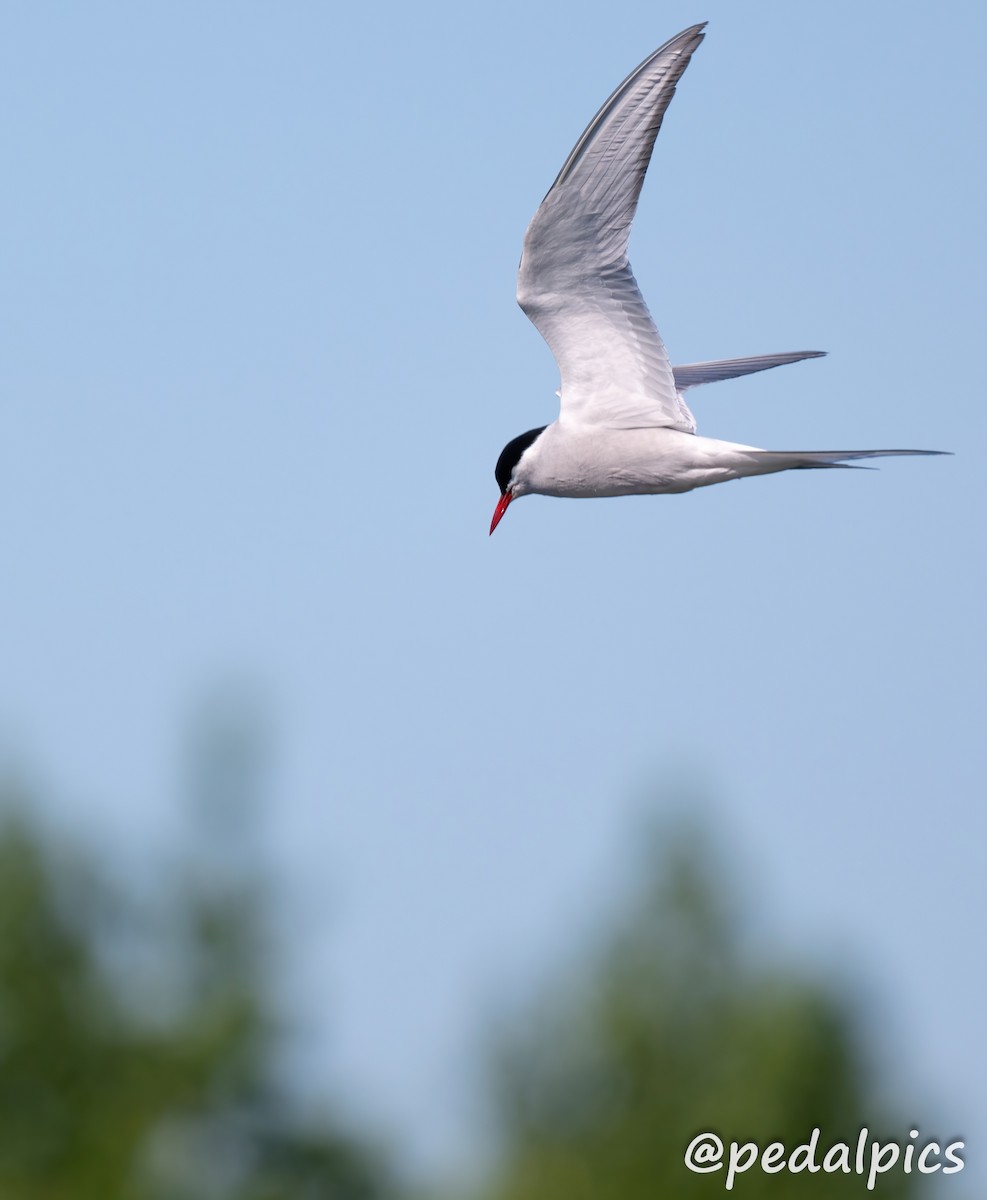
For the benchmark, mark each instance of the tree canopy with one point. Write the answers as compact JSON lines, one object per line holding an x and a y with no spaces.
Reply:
{"x":666,"y":1032}
{"x":140,"y":1037}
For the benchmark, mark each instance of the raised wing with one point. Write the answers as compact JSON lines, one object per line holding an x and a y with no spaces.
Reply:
{"x":693,"y":374}
{"x":575,"y":282}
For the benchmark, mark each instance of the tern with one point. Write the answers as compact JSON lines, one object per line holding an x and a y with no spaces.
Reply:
{"x":624,"y":427}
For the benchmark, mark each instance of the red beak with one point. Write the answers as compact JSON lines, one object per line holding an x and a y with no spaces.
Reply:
{"x":499,"y":511}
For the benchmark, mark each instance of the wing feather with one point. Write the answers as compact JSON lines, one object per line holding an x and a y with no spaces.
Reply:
{"x":575,"y":282}
{"x":694,"y":374}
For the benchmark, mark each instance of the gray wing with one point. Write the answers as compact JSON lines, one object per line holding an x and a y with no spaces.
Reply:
{"x":575,"y":282}
{"x":694,"y":374}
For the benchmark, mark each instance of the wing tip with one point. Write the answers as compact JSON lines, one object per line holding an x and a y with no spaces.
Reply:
{"x":681,"y":47}
{"x":693,"y":35}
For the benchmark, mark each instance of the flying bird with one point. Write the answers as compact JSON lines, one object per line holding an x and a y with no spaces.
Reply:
{"x":624,"y":427}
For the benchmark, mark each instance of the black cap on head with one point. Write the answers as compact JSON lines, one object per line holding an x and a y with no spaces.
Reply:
{"x":511,"y":453}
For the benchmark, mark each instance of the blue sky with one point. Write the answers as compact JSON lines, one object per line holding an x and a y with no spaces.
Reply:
{"x":259,"y":355}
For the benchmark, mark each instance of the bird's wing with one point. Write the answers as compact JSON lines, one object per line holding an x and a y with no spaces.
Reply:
{"x":694,"y":374}
{"x":575,"y":282}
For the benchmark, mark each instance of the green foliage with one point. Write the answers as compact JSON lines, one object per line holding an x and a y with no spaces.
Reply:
{"x":138,"y":1043}
{"x":666,"y":1034}
{"x":139,"y":1038}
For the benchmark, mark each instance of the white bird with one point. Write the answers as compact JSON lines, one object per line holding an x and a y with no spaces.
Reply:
{"x":624,"y":427}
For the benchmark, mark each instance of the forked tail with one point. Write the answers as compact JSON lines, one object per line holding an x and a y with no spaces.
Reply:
{"x":794,"y":460}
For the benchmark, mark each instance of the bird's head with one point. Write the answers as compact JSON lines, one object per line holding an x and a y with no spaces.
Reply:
{"x":509,"y":471}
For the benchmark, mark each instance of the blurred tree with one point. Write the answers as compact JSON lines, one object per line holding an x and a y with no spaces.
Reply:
{"x":139,"y":1037}
{"x":138,"y":1042}
{"x":666,"y":1035}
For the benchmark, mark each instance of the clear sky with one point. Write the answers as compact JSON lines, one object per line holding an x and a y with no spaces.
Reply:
{"x":258,"y":355}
